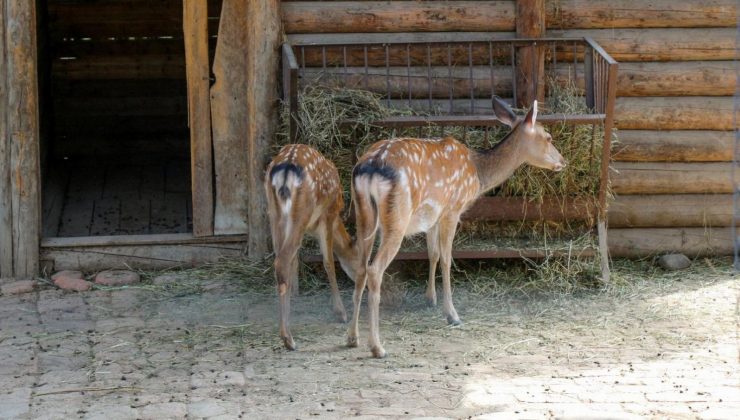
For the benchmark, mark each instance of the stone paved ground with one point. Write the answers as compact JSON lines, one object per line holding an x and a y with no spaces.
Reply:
{"x":663,"y":348}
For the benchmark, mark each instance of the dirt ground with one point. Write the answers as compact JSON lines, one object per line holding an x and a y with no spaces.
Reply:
{"x":655,"y":346}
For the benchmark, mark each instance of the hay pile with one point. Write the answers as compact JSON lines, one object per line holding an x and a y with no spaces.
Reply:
{"x":321,"y":109}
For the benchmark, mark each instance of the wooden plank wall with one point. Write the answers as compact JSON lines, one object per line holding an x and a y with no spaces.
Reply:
{"x":674,"y":111}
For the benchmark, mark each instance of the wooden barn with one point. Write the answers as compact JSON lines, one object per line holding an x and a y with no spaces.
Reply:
{"x":136,"y":132}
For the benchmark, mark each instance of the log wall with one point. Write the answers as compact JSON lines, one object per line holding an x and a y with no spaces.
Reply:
{"x":671,"y":175}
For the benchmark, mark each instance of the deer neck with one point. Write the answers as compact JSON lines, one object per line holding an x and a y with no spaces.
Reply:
{"x":496,"y":165}
{"x":343,"y":248}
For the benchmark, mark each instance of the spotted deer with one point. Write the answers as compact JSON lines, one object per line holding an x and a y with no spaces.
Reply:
{"x":405,"y":186}
{"x":304,"y":196}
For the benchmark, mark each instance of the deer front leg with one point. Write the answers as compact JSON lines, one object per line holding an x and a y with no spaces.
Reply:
{"x":447,"y":228}
{"x":433,"y":251}
{"x":326,"y":243}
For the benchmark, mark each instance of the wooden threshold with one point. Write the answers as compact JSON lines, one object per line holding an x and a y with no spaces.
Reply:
{"x":126,"y":240}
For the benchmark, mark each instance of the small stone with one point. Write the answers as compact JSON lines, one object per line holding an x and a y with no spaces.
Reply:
{"x":166,"y":279}
{"x":116,"y":278}
{"x":69,"y":274}
{"x":18,"y":287}
{"x":77,"y":285}
{"x":674,"y":262}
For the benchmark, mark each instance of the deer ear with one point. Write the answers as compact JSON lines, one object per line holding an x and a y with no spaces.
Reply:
{"x":531,"y":117}
{"x":503,"y":112}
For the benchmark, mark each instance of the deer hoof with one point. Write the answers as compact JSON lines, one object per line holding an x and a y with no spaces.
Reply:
{"x":454,"y":321}
{"x":352,"y":341}
{"x":341,"y":315}
{"x":289,"y":343}
{"x":378,"y":352}
{"x":432,"y":301}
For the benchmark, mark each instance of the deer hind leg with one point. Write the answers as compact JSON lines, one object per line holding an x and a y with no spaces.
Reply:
{"x":388,"y":249}
{"x":433,"y":250}
{"x":447,"y":227}
{"x":365,"y":219}
{"x":286,"y":273}
{"x":326,"y":243}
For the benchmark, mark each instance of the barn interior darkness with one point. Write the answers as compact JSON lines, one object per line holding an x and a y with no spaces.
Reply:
{"x":116,"y":149}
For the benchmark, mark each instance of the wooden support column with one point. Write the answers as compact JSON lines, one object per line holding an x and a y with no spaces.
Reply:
{"x":195,"y":28}
{"x":229,"y":119}
{"x":6,"y":229}
{"x":20,"y":209}
{"x":530,"y":68}
{"x":263,"y":42}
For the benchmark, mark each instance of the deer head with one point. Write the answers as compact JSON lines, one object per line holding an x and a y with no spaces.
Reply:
{"x":536,"y":146}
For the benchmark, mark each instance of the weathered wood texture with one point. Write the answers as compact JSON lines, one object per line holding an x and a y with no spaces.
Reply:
{"x":675,"y":113}
{"x":674,"y":146}
{"x":401,"y":16}
{"x":195,"y":19}
{"x":229,"y":120}
{"x":694,"y":242}
{"x":22,"y":131}
{"x":671,"y":178}
{"x":672,"y":44}
{"x":6,"y":211}
{"x":683,"y":78}
{"x":517,"y":208}
{"x":530,"y":69}
{"x":686,"y":210}
{"x":263,"y":43}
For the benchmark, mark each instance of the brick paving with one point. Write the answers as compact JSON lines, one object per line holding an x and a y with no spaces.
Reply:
{"x":145,"y":353}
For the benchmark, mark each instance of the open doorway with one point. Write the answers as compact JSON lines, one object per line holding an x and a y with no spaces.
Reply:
{"x":117,"y":152}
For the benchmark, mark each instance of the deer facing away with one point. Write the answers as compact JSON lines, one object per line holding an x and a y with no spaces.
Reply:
{"x":405,"y":186}
{"x":304,"y":196}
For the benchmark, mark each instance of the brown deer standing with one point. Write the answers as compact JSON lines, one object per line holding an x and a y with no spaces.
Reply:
{"x":405,"y":186}
{"x":304,"y":195}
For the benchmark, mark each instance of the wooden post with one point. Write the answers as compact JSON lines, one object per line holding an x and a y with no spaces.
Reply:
{"x":263,"y":53}
{"x":6,"y":230}
{"x":530,"y":68}
{"x":195,"y":28}
{"x":20,"y":139}
{"x":229,"y":119}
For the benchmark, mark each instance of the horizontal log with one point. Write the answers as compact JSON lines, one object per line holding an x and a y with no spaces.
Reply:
{"x":609,"y":14}
{"x":694,"y":242}
{"x":671,"y":178}
{"x":121,"y":67}
{"x":660,"y":44}
{"x":684,"y":210}
{"x":674,"y":146}
{"x":675,"y":113}
{"x":685,"y":78}
{"x":520,"y":209}
{"x":399,"y":16}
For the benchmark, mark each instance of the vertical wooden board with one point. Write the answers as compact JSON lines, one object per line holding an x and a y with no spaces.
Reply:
{"x":195,"y":28}
{"x":169,"y":215}
{"x":264,"y":33}
{"x":106,"y":217}
{"x":23,"y":129}
{"x":6,"y":230}
{"x":229,"y":119}
{"x":530,"y":72}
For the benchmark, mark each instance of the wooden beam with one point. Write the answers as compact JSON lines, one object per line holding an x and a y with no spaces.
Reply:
{"x":671,"y":210}
{"x":530,"y":71}
{"x":519,"y":209}
{"x":195,"y":20}
{"x":671,"y":178}
{"x":263,"y":56}
{"x":401,"y":16}
{"x":675,"y":113}
{"x":680,"y":78}
{"x":229,"y":118}
{"x":674,"y":146}
{"x":6,"y":212}
{"x":23,"y":133}
{"x":609,"y":14}
{"x":694,"y":242}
